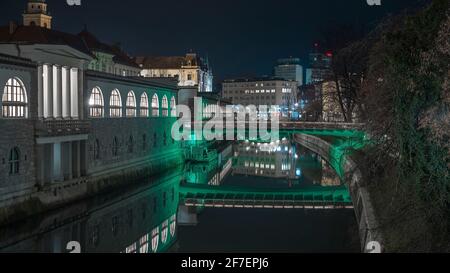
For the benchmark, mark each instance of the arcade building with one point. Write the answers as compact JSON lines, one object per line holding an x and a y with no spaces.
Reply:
{"x":76,"y":118}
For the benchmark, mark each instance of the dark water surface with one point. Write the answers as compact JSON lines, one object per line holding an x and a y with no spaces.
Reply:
{"x":151,"y":217}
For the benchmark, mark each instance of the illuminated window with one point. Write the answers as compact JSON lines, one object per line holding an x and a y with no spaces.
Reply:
{"x":173,"y":225}
{"x":143,"y":244}
{"x":131,"y":104}
{"x":173,"y":107}
{"x":14,"y":99}
{"x":165,"y":232}
{"x":115,"y":104}
{"x":155,"y":240}
{"x":155,"y":106}
{"x":131,"y":249}
{"x":14,"y":161}
{"x":165,"y":107}
{"x":96,"y":103}
{"x":144,"y":105}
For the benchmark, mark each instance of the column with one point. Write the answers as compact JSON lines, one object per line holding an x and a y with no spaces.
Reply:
{"x":57,"y":97}
{"x":66,"y":100}
{"x":80,"y":94}
{"x":48,"y":91}
{"x":74,"y":92}
{"x":40,"y":78}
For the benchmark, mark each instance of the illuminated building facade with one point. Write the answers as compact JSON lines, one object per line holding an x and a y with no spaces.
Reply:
{"x":190,"y":70}
{"x":262,"y":91}
{"x":69,"y":131}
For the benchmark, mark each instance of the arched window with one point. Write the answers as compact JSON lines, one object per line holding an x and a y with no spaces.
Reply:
{"x":97,"y":149}
{"x":115,"y":104}
{"x":115,"y":147}
{"x":165,"y":107}
{"x":131,"y":105}
{"x":144,"y":105}
{"x":173,"y":225}
{"x":96,"y":103}
{"x":155,"y":240}
{"x":14,"y":99}
{"x":155,"y":106}
{"x":165,"y":232}
{"x":14,"y":161}
{"x":130,"y":145}
{"x":173,"y":107}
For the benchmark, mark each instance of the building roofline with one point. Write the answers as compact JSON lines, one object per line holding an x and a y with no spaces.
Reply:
{"x":161,"y":83}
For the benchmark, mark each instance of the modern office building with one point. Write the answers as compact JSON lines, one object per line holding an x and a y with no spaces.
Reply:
{"x":262,"y":91}
{"x":319,"y":66}
{"x":289,"y":69}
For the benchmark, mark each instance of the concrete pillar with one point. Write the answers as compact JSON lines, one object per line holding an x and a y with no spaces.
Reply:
{"x":40,"y":78}
{"x":74,"y":90}
{"x":48,"y":91}
{"x":57,"y":102}
{"x":66,"y":93}
{"x":80,"y":104}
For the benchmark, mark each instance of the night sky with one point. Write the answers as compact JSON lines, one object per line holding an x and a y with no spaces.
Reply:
{"x":240,"y":37}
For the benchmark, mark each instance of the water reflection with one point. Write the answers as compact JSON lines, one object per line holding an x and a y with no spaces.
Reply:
{"x":146,"y":218}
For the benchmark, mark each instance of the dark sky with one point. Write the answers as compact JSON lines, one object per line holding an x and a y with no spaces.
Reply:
{"x":241,"y":37}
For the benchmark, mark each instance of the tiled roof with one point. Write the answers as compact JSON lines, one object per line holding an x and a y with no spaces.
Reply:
{"x":95,"y":45}
{"x":39,"y":35}
{"x":170,"y":62}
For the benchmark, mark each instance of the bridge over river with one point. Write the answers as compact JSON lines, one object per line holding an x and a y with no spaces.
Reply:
{"x":193,"y":195}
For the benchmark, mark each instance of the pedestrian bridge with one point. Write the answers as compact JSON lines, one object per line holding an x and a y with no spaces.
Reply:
{"x":336,"y":129}
{"x":194,"y":195}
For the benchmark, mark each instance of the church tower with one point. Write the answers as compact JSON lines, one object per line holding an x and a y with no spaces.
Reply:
{"x":37,"y":14}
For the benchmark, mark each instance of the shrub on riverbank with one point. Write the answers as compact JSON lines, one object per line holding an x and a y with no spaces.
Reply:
{"x":407,"y":104}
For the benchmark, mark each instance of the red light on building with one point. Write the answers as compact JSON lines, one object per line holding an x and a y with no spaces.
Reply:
{"x":329,"y":54}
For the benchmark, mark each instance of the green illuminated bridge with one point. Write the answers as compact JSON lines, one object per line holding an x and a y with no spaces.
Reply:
{"x":194,"y":195}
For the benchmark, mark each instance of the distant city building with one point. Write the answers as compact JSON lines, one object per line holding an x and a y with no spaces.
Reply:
{"x":289,"y":69}
{"x":262,"y":91}
{"x":191,"y":70}
{"x":319,"y":66}
{"x":109,"y":59}
{"x":37,"y":14}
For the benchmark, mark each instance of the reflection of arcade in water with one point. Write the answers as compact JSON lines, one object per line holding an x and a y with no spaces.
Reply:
{"x":140,"y":221}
